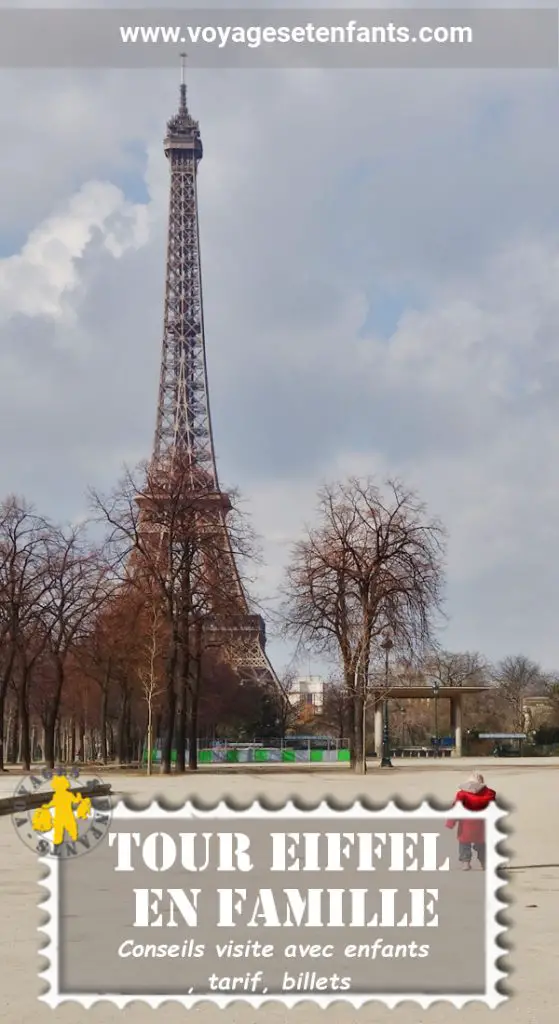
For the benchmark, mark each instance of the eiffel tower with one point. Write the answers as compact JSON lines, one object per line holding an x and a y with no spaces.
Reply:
{"x":183,"y":431}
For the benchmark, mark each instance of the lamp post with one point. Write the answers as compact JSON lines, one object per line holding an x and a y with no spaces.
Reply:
{"x":364,"y":730}
{"x":436,"y":688}
{"x":386,"y":646}
{"x":364,"y":715}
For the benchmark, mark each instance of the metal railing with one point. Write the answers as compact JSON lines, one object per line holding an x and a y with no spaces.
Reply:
{"x":288,"y":748}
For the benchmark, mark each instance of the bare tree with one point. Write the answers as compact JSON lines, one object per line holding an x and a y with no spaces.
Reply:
{"x":517,"y":678}
{"x":97,"y":660}
{"x":334,"y":712}
{"x":462,"y":669}
{"x":23,"y":537}
{"x":166,"y":531}
{"x":31,"y":649}
{"x":372,"y":563}
{"x":78,"y":584}
{"x":109,"y":655}
{"x":288,"y":707}
{"x":150,"y":674}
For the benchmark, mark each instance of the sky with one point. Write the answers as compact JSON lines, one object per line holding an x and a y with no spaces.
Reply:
{"x":381,"y":283}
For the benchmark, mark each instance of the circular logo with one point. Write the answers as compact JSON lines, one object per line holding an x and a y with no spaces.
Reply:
{"x":58,"y":814}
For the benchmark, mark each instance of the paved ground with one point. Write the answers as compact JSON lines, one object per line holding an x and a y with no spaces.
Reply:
{"x":529,"y":787}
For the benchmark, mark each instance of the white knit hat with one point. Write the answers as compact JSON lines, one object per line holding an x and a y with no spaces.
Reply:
{"x":475,"y":783}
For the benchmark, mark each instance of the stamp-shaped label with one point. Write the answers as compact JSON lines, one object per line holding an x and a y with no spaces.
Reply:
{"x":289,"y":905}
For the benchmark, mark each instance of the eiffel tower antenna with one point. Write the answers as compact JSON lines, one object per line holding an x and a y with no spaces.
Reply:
{"x":183,"y":57}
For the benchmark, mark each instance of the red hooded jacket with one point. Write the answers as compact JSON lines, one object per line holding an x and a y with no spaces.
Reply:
{"x":469,"y":830}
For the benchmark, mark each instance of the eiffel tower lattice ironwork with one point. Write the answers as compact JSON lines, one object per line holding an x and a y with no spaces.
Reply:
{"x":183,"y":432}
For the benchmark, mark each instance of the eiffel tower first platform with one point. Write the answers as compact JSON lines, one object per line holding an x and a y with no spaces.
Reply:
{"x":183,"y":432}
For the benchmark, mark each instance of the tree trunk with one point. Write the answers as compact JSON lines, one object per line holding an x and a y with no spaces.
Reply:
{"x":82,"y":753}
{"x":193,"y":730}
{"x":6,"y":676}
{"x":49,"y":741}
{"x":34,"y":745}
{"x":121,"y":738}
{"x":195,"y":699}
{"x":72,"y":742}
{"x":16,"y":726}
{"x":149,"y":735}
{"x":180,"y":727}
{"x":10,"y":735}
{"x":128,"y":749}
{"x":2,"y":725}
{"x":26,"y":752}
{"x":104,"y":713}
{"x":26,"y":747}
{"x":182,"y":720}
{"x":359,"y":766}
{"x":110,"y":741}
{"x":351,"y":730}
{"x":2,"y":768}
{"x":169,"y":731}
{"x":51,"y":718}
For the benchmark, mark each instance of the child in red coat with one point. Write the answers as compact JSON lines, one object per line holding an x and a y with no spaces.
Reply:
{"x":474,"y":796}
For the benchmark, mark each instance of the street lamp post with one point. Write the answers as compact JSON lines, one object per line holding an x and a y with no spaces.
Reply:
{"x":364,"y":731}
{"x":436,"y":688}
{"x":387,"y":646}
{"x":364,"y":715}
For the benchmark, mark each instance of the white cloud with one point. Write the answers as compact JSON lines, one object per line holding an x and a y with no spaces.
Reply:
{"x":38,"y":281}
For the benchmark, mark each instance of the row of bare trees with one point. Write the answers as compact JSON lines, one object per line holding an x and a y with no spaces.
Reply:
{"x":106,"y":643}
{"x":52,"y":585}
{"x":119,"y":631}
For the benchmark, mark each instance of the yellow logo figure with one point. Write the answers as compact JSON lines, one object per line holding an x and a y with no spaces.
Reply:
{"x":59,"y":815}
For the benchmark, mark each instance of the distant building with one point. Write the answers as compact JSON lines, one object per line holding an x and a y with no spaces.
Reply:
{"x":308,"y":691}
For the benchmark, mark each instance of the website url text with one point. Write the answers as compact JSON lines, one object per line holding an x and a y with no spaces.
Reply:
{"x":255,"y":36}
